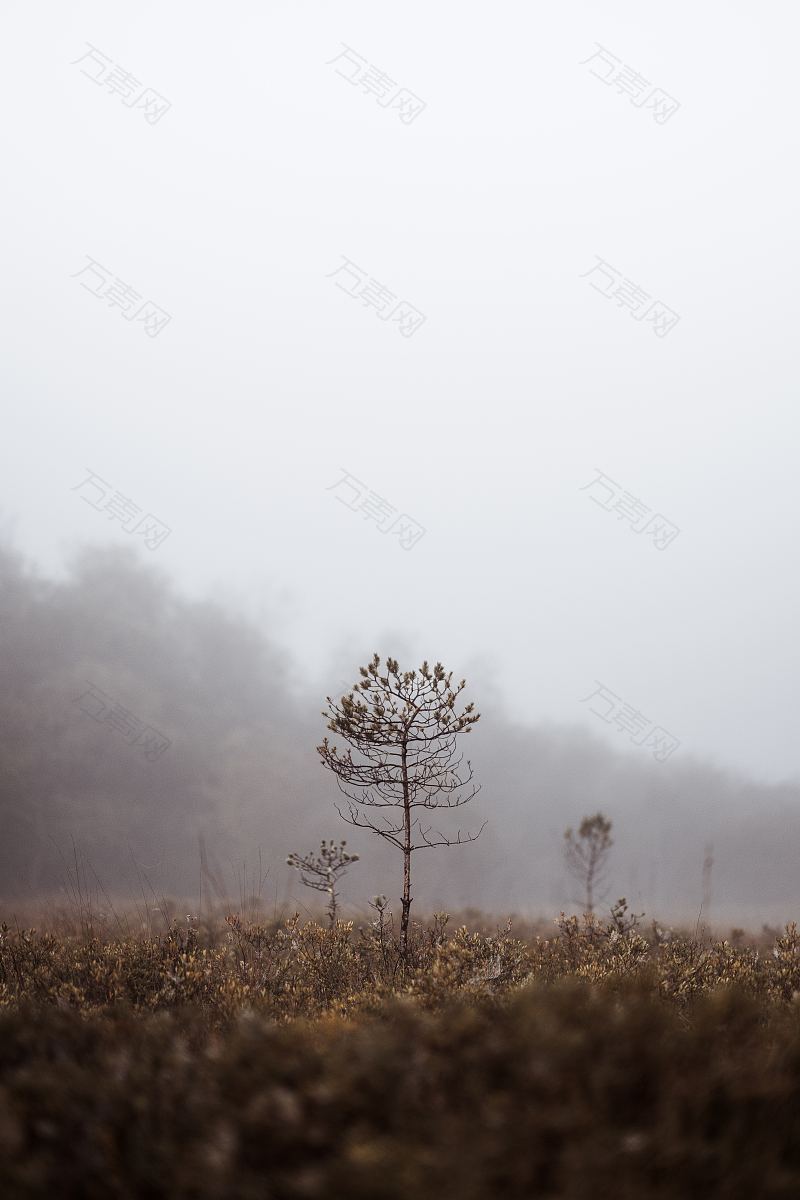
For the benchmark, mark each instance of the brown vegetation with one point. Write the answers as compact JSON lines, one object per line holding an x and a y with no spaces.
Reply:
{"x":268,"y":1059}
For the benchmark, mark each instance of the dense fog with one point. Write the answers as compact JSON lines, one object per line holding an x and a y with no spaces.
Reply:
{"x":92,"y":661}
{"x":329,"y":330}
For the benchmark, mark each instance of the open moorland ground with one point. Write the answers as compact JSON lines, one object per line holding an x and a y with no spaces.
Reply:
{"x":246,"y":1057}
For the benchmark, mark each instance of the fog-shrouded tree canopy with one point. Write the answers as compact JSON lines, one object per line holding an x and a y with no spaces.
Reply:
{"x":242,"y":771}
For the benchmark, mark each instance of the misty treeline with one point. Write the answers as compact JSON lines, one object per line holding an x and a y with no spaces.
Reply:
{"x":242,"y":771}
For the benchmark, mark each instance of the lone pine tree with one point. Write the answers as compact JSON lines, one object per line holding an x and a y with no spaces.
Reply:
{"x":402,"y":761}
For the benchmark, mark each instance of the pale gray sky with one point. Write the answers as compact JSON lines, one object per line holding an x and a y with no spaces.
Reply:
{"x":485,"y":212}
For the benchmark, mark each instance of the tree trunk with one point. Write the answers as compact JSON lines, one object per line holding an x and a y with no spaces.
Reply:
{"x":590,"y":882}
{"x":406,"y":901}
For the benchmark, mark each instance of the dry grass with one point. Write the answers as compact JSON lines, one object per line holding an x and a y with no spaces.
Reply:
{"x":288,"y":1059}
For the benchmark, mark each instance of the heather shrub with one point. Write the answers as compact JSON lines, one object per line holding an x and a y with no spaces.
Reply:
{"x":306,"y":969}
{"x":568,"y":1090}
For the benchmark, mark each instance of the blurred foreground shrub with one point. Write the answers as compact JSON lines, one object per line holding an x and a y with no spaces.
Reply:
{"x":303,"y":1061}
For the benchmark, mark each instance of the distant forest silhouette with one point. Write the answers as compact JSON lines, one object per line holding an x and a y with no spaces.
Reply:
{"x":242,"y":772}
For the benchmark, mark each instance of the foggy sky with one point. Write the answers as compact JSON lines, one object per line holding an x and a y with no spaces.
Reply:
{"x":486,"y":212}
